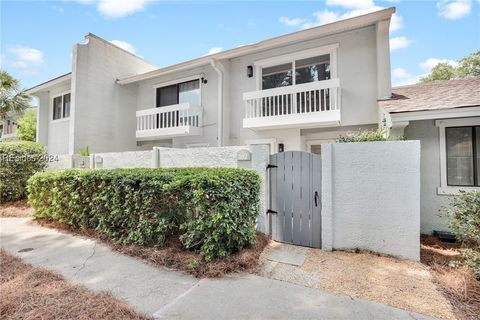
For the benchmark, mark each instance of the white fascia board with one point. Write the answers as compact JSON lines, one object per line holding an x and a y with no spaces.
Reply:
{"x":303,"y":35}
{"x":436,"y":114}
{"x":50,"y":83}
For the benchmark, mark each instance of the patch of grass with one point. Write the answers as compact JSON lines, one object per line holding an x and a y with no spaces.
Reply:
{"x":459,"y":283}
{"x":173,"y":255}
{"x":35,"y":293}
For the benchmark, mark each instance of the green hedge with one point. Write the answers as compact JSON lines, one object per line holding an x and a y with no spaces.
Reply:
{"x":210,"y":210}
{"x":18,"y":162}
{"x":464,"y":213}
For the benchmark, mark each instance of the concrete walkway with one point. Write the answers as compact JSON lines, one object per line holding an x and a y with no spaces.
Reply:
{"x":168,"y":294}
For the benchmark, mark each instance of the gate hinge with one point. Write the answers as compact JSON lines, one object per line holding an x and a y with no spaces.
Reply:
{"x":270,"y":166}
{"x":271,"y":211}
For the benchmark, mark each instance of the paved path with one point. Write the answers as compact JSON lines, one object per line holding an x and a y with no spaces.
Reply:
{"x":168,"y":294}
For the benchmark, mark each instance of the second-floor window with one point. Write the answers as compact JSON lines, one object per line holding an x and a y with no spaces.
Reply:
{"x":184,"y":92}
{"x":296,"y":72}
{"x":61,"y":106}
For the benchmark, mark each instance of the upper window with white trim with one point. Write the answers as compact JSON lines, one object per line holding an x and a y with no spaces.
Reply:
{"x":463,"y":156}
{"x":177,"y":93}
{"x":61,"y":106}
{"x":298,"y":71}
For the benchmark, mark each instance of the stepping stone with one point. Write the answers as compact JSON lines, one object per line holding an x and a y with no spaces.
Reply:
{"x":287,"y":253}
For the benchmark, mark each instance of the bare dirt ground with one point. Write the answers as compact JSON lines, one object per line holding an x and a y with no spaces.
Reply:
{"x":399,"y":283}
{"x":403,"y":284}
{"x":29,"y":292}
{"x":15,"y":209}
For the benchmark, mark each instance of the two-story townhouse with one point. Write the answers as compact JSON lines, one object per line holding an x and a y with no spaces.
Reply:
{"x":292,"y":92}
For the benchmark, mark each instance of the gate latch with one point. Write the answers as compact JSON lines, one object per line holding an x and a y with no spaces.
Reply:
{"x":271,"y":211}
{"x":270,"y":166}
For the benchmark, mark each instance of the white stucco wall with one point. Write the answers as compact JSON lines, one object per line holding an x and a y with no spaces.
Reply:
{"x":54,"y":134}
{"x":199,"y":157}
{"x":42,"y":118}
{"x":371,"y":197}
{"x":430,"y":203}
{"x":60,"y":161}
{"x":103,"y":111}
{"x":130,"y":159}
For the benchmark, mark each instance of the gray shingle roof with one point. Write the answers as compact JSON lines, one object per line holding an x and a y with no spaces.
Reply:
{"x":434,"y":95}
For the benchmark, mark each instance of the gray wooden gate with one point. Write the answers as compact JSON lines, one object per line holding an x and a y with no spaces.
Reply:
{"x":295,"y":195}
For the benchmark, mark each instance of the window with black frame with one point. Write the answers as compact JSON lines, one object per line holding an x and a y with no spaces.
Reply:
{"x":299,"y":71}
{"x":184,"y":92}
{"x":61,"y":106}
{"x":463,"y":156}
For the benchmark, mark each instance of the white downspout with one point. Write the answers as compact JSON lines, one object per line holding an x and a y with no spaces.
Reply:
{"x":220,"y":69}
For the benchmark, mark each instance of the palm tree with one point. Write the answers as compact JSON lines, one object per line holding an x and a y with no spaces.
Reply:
{"x":13,"y":100}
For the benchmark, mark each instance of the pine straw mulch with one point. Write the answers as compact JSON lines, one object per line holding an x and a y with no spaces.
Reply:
{"x":173,"y":255}
{"x":29,"y":292}
{"x":459,"y":285}
{"x":19,"y":208}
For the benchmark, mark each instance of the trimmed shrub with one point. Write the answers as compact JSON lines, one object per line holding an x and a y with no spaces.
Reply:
{"x":18,"y":162}
{"x":465,"y":224}
{"x":212,"y":211}
{"x":367,"y":136}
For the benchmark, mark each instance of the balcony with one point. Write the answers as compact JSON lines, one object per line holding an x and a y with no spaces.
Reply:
{"x":307,"y":105}
{"x":184,"y":119}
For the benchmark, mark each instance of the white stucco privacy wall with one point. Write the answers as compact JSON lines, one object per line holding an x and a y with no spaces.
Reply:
{"x":253,"y":157}
{"x":130,"y":159}
{"x":371,"y":197}
{"x":60,"y":161}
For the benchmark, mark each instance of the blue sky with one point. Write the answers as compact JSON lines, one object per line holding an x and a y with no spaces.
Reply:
{"x":37,"y":37}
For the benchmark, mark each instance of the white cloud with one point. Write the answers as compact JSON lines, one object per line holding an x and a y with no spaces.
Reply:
{"x":354,"y":8}
{"x":23,"y":57}
{"x":453,"y":10}
{"x":116,"y":8}
{"x":28,"y":61}
{"x":351,"y":4}
{"x":396,"y":22}
{"x":428,"y":64}
{"x":214,"y":50}
{"x":120,"y":8}
{"x":400,"y":73}
{"x":401,"y":77}
{"x":124,"y":45}
{"x":291,"y":22}
{"x":399,"y":43}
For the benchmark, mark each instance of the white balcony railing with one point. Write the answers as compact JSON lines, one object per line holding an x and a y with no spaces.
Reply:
{"x":304,"y":105}
{"x":168,"y":122}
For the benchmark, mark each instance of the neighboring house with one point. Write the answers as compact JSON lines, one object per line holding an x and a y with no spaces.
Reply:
{"x":292,"y":92}
{"x":9,"y":126}
{"x":445,"y":117}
